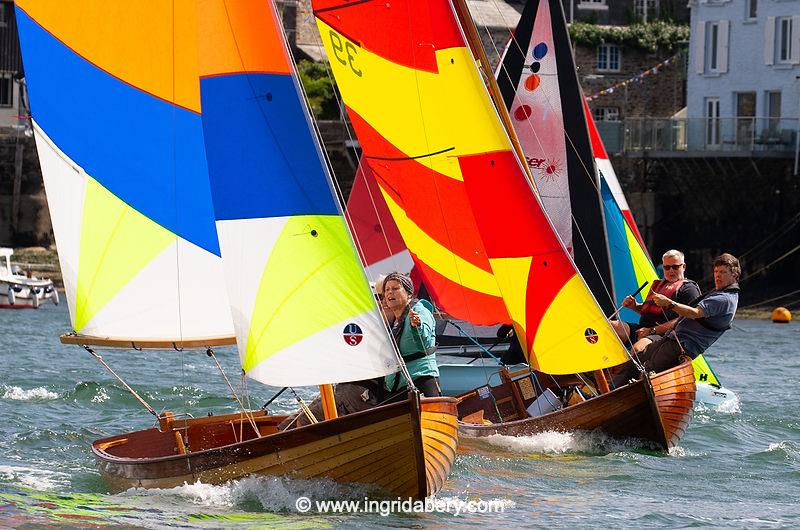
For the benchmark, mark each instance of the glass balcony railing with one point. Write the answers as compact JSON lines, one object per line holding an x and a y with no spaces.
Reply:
{"x":709,"y":134}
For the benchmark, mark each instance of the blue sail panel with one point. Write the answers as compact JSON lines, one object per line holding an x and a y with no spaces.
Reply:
{"x":262,"y":158}
{"x":625,"y":280}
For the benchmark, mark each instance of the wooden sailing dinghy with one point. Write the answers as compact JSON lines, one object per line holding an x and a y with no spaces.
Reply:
{"x":654,"y":409}
{"x":448,"y":165}
{"x":196,"y":190}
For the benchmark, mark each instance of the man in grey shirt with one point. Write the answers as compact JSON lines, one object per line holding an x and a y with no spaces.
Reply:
{"x":700,"y":325}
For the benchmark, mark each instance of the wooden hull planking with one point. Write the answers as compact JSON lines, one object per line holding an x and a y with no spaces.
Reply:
{"x":405,"y":449}
{"x":656,"y":411}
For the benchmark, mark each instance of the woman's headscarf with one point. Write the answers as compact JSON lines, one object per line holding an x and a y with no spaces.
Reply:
{"x":403,"y":279}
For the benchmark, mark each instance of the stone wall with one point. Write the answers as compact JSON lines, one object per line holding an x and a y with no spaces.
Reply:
{"x":27,"y":223}
{"x":660,"y":95}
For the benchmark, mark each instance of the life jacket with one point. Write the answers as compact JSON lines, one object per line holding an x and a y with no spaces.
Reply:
{"x":663,"y":287}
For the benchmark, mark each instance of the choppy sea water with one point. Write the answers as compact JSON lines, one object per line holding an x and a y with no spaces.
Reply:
{"x":736,"y":467}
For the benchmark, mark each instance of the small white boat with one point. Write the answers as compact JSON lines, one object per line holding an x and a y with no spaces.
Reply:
{"x":17,"y":290}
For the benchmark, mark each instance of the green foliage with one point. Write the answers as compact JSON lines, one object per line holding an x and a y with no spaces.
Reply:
{"x":649,"y":37}
{"x":320,"y":89}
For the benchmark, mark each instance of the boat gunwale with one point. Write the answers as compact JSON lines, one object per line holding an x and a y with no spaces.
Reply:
{"x":278,"y":436}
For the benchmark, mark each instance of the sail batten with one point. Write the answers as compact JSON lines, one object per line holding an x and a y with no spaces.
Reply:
{"x":303,"y":311}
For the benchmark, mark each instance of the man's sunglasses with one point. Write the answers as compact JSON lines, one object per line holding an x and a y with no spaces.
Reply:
{"x":673,"y":267}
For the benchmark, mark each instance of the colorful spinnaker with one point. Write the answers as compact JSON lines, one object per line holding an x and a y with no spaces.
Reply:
{"x":121,"y":149}
{"x":285,"y":245}
{"x":540,"y":89}
{"x":452,"y":181}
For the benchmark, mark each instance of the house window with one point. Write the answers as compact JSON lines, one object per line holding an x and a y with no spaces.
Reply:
{"x":645,"y":9}
{"x":6,"y":89}
{"x":713,"y":46}
{"x":745,"y":117}
{"x":608,"y":57}
{"x":784,"y":42}
{"x":712,"y":122}
{"x":606,"y":114}
{"x":752,"y":9}
{"x":773,"y":110}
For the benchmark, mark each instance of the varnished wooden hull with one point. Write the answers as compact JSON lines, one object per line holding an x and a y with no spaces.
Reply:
{"x":406,"y":449}
{"x":655,"y":411}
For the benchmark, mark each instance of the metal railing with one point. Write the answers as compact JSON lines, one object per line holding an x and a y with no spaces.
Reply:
{"x":711,"y":134}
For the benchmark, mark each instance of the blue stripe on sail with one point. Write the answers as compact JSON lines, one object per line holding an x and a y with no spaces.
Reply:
{"x":146,"y":151}
{"x":625,"y":281}
{"x":268,"y":166}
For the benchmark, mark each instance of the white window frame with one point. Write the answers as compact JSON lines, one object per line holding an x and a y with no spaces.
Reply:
{"x":606,"y":49}
{"x":751,"y":10}
{"x":713,"y":49}
{"x":784,"y":30}
{"x":606,"y":113}
{"x":773,"y":117}
{"x":646,"y":8}
{"x":711,"y":113}
{"x":592,"y":4}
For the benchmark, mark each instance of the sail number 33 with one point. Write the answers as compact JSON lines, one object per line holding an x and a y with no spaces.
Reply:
{"x":345,"y":52}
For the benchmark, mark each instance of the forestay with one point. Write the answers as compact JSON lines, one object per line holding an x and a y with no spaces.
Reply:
{"x":115,"y":103}
{"x":440,"y":148}
{"x":303,"y":310}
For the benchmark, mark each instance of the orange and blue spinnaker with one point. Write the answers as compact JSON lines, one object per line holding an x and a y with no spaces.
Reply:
{"x":115,"y":105}
{"x":303,"y":311}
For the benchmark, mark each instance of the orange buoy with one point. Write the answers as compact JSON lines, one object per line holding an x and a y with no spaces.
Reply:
{"x":781,"y":315}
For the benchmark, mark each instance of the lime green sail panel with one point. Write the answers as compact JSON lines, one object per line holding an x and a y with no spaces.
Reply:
{"x":703,"y":372}
{"x":304,"y":286}
{"x":116,"y":243}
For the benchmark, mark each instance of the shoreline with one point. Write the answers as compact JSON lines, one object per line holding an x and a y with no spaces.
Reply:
{"x":43,"y":263}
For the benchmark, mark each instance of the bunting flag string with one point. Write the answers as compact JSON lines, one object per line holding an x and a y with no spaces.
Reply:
{"x":637,"y":78}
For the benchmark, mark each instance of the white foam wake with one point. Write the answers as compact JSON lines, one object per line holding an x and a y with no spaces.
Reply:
{"x":38,"y":479}
{"x":34,"y":394}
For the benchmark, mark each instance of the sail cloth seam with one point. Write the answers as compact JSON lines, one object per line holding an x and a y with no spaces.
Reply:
{"x":105,"y":71}
{"x":586,"y":172}
{"x":417,"y":157}
{"x":241,"y":72}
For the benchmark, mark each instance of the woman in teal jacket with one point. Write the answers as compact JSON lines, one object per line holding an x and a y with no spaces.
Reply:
{"x":414,"y":331}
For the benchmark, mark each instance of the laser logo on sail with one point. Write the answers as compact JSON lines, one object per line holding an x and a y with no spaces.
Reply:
{"x":352,"y":334}
{"x":591,"y":336}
